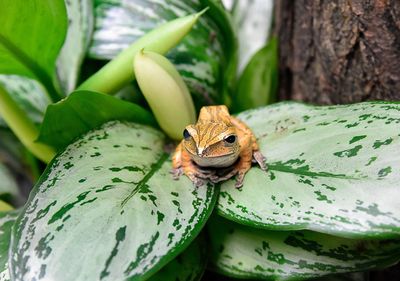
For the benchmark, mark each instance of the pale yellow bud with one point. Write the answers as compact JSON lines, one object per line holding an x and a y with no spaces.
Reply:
{"x":165,"y":91}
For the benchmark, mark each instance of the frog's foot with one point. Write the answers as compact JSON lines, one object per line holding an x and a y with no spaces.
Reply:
{"x":176,"y":173}
{"x":196,"y":179}
{"x":260,"y":159}
{"x":224,"y":176}
{"x":239,"y":178}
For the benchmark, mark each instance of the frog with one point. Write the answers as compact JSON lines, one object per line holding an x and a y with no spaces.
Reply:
{"x":218,"y":147}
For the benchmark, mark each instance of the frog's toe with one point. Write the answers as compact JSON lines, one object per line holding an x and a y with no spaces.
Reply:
{"x":216,"y":179}
{"x":239,"y":180}
{"x":219,"y":178}
{"x":176,"y":173}
{"x":198,"y":182}
{"x":260,"y":159}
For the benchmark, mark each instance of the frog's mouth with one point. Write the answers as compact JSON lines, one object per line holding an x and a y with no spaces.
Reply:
{"x":215,"y":161}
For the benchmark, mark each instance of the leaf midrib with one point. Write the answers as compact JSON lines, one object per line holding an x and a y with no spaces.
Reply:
{"x":154,"y":168}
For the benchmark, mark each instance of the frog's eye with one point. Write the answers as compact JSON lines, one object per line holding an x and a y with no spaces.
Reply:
{"x":186,"y":134}
{"x":230,"y":139}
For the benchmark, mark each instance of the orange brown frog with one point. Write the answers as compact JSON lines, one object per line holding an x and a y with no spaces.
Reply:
{"x":218,"y":147}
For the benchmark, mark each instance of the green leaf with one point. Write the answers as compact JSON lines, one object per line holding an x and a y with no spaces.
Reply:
{"x":84,"y":110}
{"x":333,"y":169}
{"x":80,"y":27}
{"x":252,"y":21}
{"x":110,"y":196}
{"x":118,"y":73}
{"x":8,"y":185}
{"x":258,"y":83}
{"x":31,"y":35}
{"x":188,"y":266}
{"x":244,"y":252}
{"x":7,"y":220}
{"x":23,"y":127}
{"x":28,"y":94}
{"x":201,"y":58}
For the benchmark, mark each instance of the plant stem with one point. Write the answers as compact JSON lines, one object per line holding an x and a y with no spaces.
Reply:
{"x":119,"y":72}
{"x":5,"y":207}
{"x":23,"y":127}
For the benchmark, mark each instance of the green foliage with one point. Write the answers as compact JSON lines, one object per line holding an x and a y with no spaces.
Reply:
{"x":244,"y":252}
{"x":86,"y":110}
{"x":110,"y":187}
{"x":80,"y":27}
{"x":8,"y":185}
{"x":258,"y":85}
{"x":106,"y":208}
{"x":7,"y":220}
{"x":208,"y":70}
{"x":31,"y":35}
{"x":119,"y":72}
{"x":28,"y":94}
{"x":326,"y":165}
{"x":188,"y":266}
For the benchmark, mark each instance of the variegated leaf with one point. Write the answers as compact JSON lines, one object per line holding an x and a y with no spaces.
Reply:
{"x":333,"y":169}
{"x":253,"y":20}
{"x":80,"y":27}
{"x":201,"y":57}
{"x":7,"y":220}
{"x":31,"y":35}
{"x":246,"y":252}
{"x":8,"y":185}
{"x":28,"y":93}
{"x":108,"y":209}
{"x":188,"y":266}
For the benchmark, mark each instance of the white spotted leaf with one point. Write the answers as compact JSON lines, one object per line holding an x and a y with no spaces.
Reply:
{"x":7,"y":220}
{"x":205,"y":57}
{"x":80,"y":26}
{"x":188,"y":266}
{"x":107,"y":209}
{"x":245,"y":252}
{"x":332,"y":169}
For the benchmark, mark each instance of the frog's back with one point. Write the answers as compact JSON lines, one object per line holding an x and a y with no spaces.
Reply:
{"x":214,"y":114}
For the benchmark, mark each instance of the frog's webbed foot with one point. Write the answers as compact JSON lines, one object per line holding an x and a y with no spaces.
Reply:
{"x":235,"y":171}
{"x":176,"y":173}
{"x":260,"y":159}
{"x":196,"y":179}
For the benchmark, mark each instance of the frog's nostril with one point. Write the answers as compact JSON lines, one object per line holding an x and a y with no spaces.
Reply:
{"x":200,"y":151}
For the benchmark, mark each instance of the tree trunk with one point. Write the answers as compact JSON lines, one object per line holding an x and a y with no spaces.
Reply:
{"x":340,"y":51}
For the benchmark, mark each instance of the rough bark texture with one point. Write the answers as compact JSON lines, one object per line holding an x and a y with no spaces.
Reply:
{"x":340,"y":51}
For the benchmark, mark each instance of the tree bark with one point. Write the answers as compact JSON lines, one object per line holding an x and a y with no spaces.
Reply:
{"x":340,"y":51}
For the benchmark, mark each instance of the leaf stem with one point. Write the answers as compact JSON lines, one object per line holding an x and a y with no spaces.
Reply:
{"x":23,"y":127}
{"x":119,"y":72}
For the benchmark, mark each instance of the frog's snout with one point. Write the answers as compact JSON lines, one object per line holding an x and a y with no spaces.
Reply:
{"x":201,"y":151}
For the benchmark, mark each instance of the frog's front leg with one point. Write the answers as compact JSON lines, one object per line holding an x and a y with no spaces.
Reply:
{"x":243,"y":164}
{"x":182,"y":163}
{"x":258,"y":157}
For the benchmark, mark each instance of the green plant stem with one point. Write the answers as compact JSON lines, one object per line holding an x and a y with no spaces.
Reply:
{"x":23,"y":127}
{"x":119,"y":72}
{"x":5,"y":207}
